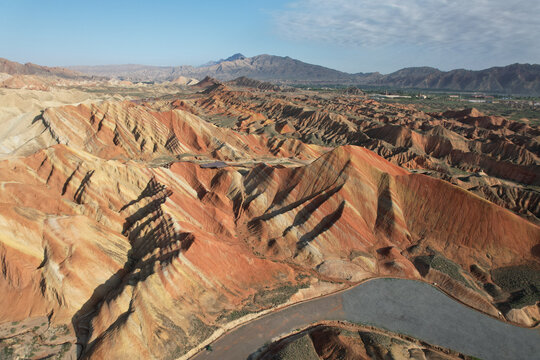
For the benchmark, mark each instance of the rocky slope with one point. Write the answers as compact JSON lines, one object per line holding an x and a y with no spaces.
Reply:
{"x":245,"y":82}
{"x":137,"y":229}
{"x":491,"y":156}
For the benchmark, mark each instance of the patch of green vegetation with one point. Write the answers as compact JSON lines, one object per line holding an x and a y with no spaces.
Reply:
{"x":178,"y":351}
{"x":442,"y":264}
{"x":222,"y":121}
{"x":34,"y":346}
{"x":522,"y":282}
{"x":7,"y":352}
{"x":370,"y":338}
{"x":199,"y":330}
{"x":64,"y":349}
{"x":265,"y":299}
{"x":398,"y":341}
{"x":532,"y":115}
{"x":513,"y":108}
{"x":235,"y":314}
{"x":181,"y":343}
{"x":277,"y":296}
{"x":298,"y":349}
{"x":63,"y":329}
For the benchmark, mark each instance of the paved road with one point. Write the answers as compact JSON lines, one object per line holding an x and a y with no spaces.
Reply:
{"x":403,"y":306}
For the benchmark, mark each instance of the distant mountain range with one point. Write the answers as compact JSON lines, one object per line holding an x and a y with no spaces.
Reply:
{"x":514,"y":79}
{"x":261,"y":67}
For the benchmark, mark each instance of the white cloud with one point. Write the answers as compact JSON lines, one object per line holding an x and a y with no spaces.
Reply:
{"x":486,"y":27}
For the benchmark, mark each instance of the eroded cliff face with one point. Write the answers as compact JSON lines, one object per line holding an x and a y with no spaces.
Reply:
{"x":137,"y":230}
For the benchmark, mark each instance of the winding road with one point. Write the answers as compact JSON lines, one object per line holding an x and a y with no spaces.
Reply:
{"x":408,"y":307}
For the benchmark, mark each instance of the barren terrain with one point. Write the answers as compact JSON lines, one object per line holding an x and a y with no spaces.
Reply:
{"x":137,"y":220}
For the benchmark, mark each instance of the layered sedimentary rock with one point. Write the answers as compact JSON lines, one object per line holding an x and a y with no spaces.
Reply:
{"x":494,"y":157}
{"x":138,"y":229}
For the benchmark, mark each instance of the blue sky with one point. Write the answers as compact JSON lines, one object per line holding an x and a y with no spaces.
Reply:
{"x":348,"y":35}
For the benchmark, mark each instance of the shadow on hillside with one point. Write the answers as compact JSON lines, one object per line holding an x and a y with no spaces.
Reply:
{"x":148,"y":229}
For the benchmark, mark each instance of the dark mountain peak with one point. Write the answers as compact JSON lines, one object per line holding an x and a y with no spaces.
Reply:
{"x":237,"y":56}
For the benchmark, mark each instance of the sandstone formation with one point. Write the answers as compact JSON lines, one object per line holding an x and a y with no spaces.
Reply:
{"x":489,"y":155}
{"x":135,"y":229}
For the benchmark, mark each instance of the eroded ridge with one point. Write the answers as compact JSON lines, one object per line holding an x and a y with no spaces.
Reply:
{"x":156,"y":239}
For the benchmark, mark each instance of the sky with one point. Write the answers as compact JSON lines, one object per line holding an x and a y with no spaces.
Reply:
{"x":347,"y":35}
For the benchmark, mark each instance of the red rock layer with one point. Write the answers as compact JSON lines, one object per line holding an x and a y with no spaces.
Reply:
{"x":120,"y":234}
{"x":489,"y":155}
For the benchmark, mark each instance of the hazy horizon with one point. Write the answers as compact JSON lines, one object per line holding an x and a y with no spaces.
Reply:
{"x":346,"y":35}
